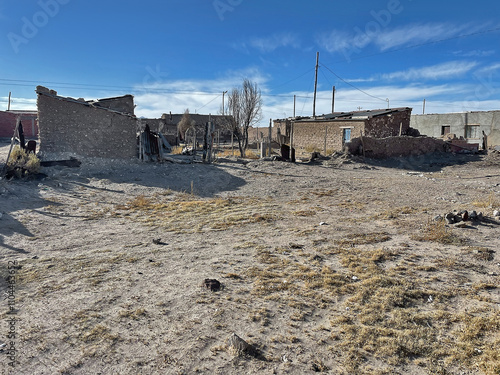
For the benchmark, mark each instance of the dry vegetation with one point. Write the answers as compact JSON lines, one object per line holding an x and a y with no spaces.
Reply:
{"x":380,"y":288}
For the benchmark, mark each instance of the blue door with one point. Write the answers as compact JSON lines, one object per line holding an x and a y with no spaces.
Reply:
{"x":346,"y":136}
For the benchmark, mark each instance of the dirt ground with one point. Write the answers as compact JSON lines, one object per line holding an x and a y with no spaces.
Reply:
{"x":337,"y":266}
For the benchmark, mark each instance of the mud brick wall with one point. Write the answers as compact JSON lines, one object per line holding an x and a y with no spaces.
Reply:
{"x":74,"y":128}
{"x":389,"y":125}
{"x":395,"y":146}
{"x":124,"y":104}
{"x":312,"y":134}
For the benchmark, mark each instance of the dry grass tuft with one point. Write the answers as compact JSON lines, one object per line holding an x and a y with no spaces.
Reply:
{"x":438,"y":231}
{"x":491,"y":202}
{"x":364,"y":239}
{"x":186,"y":213}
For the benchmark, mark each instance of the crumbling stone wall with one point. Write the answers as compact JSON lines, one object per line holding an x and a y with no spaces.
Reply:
{"x":70,"y":127}
{"x":395,"y":146}
{"x":124,"y":104}
{"x":388,"y":125}
{"x":307,"y":134}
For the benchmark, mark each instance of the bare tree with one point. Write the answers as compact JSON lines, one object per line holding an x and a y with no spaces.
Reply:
{"x":245,"y":105}
{"x":185,"y":124}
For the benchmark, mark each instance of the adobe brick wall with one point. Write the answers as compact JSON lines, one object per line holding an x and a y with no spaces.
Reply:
{"x":74,"y":128}
{"x":388,"y":126}
{"x":123,"y":104}
{"x":312,"y":133}
{"x":395,"y":146}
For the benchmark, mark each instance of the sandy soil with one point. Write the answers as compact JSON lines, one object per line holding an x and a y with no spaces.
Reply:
{"x":332,"y":266}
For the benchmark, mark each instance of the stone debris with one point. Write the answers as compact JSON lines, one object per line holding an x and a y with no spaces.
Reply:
{"x":456,"y":217}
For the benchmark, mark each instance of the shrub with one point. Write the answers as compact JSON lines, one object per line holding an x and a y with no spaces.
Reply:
{"x":22,"y":163}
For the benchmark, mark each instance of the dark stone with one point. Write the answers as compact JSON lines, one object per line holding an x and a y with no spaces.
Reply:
{"x":212,"y":284}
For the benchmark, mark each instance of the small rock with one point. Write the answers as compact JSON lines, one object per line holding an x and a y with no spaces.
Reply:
{"x":1,"y":215}
{"x":464,"y":215}
{"x":496,"y":213}
{"x":237,"y":346}
{"x":212,"y":284}
{"x":322,"y":223}
{"x":461,"y":225}
{"x":473,"y":215}
{"x":438,"y":218}
{"x":450,"y":218}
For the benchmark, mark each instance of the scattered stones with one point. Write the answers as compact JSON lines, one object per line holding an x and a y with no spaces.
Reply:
{"x":461,"y":216}
{"x":212,"y":284}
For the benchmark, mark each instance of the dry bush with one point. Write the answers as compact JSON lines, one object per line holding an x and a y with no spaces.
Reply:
{"x":177,"y":150}
{"x":22,"y":163}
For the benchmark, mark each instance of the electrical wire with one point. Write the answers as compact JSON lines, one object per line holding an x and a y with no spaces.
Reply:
{"x":350,"y":84}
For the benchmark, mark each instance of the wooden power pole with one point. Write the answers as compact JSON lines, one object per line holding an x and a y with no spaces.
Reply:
{"x":333,"y":99}
{"x":315,"y":84}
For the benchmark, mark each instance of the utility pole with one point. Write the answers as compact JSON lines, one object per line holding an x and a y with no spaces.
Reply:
{"x":8,"y":106}
{"x":423,"y":110}
{"x":315,"y":84}
{"x":270,"y":136}
{"x":223,"y":93}
{"x":333,"y":99}
{"x":294,"y":101}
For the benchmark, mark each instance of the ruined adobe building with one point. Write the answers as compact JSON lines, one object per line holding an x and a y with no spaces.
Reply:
{"x":75,"y":127}
{"x":469,"y":125}
{"x":167,"y":125}
{"x":330,"y":132}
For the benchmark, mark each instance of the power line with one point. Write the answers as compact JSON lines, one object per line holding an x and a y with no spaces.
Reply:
{"x":350,"y":84}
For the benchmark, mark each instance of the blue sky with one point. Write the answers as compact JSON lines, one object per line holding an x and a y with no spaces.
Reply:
{"x":179,"y":54}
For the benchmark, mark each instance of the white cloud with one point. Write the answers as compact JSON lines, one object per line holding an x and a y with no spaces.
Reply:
{"x":386,"y":39}
{"x":475,"y":53}
{"x":489,"y":69}
{"x":416,"y":34}
{"x":200,"y":96}
{"x":440,"y":71}
{"x":18,"y":103}
{"x":275,"y":41}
